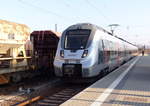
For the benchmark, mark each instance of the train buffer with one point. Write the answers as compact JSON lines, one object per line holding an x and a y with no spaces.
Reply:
{"x":127,"y":85}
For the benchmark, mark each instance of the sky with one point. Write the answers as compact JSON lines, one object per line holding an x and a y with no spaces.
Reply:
{"x":132,"y":16}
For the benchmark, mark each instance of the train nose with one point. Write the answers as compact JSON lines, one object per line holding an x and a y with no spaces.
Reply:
{"x":72,"y":70}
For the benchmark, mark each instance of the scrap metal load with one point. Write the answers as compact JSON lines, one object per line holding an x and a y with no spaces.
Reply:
{"x":13,"y":38}
{"x":44,"y":48}
{"x":12,"y":35}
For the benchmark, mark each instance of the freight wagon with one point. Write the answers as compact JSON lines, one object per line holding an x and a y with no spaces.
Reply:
{"x":44,"y":48}
{"x":13,"y":58}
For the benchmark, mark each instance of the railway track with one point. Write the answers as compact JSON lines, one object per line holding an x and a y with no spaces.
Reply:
{"x":39,"y":92}
{"x":11,"y":94}
{"x":54,"y":96}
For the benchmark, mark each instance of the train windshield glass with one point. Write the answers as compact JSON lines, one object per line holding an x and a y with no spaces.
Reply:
{"x":76,"y":39}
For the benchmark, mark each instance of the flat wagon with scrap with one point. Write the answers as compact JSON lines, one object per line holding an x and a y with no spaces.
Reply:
{"x":13,"y":58}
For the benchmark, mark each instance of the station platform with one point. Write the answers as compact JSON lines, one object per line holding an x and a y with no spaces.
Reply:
{"x":129,"y":85}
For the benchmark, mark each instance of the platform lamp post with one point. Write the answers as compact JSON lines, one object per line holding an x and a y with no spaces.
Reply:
{"x":112,"y":27}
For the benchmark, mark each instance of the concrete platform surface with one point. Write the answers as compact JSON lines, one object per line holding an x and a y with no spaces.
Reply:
{"x":128,"y":85}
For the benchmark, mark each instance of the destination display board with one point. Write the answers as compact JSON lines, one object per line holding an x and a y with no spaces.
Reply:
{"x":79,"y":32}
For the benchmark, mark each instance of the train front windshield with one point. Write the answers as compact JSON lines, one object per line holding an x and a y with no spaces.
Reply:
{"x":76,"y":39}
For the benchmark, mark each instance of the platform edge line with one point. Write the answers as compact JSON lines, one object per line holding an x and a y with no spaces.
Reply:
{"x":100,"y":100}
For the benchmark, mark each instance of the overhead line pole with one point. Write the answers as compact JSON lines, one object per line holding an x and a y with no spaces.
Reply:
{"x":112,"y":27}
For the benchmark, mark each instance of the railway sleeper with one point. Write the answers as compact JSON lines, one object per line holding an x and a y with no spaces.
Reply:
{"x":4,"y":79}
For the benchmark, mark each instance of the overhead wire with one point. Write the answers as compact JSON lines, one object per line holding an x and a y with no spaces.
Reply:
{"x":45,"y":10}
{"x":98,"y":10}
{"x":66,"y":3}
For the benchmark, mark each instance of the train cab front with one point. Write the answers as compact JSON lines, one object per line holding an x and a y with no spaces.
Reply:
{"x":72,"y":64}
{"x":71,"y":53}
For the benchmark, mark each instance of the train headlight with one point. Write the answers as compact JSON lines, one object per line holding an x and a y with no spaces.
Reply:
{"x":85,"y":53}
{"x":62,"y":53}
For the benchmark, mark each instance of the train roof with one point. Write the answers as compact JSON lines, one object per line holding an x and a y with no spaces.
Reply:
{"x":125,"y":40}
{"x":100,"y":28}
{"x":88,"y":24}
